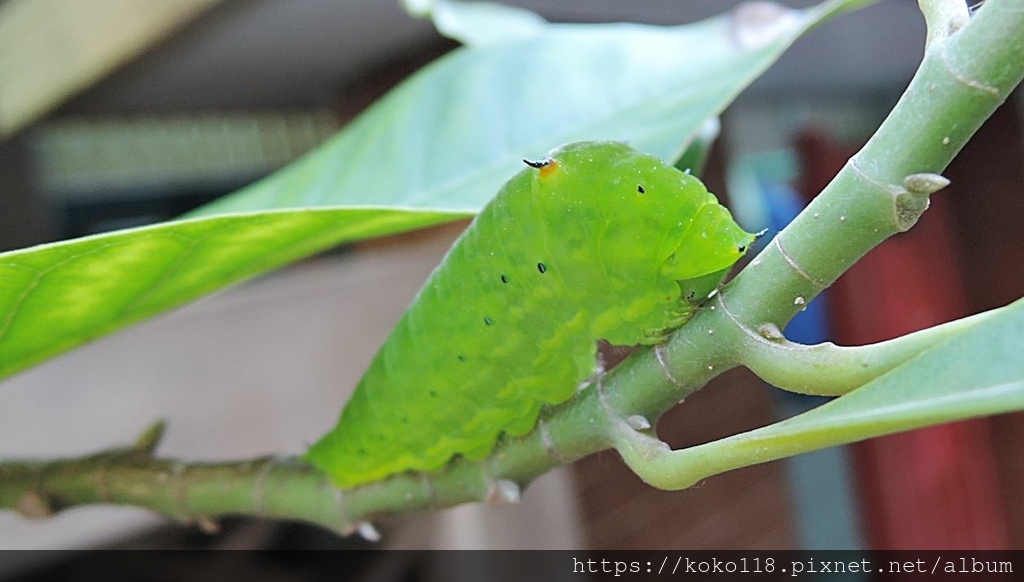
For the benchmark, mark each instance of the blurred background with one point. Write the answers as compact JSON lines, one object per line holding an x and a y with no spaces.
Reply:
{"x":116,"y":113}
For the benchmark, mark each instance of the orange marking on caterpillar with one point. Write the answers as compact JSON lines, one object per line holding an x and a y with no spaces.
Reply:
{"x":547,"y":167}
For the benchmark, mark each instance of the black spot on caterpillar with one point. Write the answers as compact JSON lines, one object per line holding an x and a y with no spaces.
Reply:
{"x":641,"y":273}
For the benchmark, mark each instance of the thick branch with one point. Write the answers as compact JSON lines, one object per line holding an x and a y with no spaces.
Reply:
{"x":199,"y":492}
{"x":279,"y":487}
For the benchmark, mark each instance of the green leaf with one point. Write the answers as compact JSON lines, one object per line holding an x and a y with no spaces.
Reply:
{"x":60,"y":295}
{"x":977,"y":372}
{"x":696,"y":155}
{"x":433,"y":150}
{"x":478,"y":23}
{"x":447,"y":138}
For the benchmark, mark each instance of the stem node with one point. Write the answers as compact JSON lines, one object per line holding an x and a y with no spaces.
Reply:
{"x":909,"y":208}
{"x":34,"y":505}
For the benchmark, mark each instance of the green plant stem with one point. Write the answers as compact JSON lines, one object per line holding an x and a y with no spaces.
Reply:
{"x":913,"y":395}
{"x":195,"y":492}
{"x":826,"y":369}
{"x":278,"y":487}
{"x":963,"y":78}
{"x":961,"y":81}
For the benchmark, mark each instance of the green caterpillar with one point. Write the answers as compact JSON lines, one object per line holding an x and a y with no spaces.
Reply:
{"x":598,"y":241}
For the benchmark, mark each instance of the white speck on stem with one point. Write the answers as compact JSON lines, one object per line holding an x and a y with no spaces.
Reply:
{"x":366,"y":531}
{"x":504,"y":492}
{"x":771,"y":331}
{"x":638,"y":422}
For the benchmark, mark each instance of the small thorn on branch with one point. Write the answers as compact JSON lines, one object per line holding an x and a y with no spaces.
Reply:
{"x":504,"y":492}
{"x":770,"y":331}
{"x":638,"y":422}
{"x":208,"y":526}
{"x":35,"y":505}
{"x":150,"y":438}
{"x":368,"y":532}
{"x":925,"y":184}
{"x":365,"y":530}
